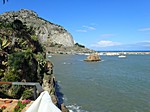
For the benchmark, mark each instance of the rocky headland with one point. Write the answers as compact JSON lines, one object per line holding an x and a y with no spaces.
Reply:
{"x":46,"y":31}
{"x":23,"y":56}
{"x":55,"y":38}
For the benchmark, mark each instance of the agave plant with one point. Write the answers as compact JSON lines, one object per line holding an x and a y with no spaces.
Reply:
{"x":4,"y":42}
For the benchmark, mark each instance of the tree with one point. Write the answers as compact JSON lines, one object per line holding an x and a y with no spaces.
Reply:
{"x":79,"y":45}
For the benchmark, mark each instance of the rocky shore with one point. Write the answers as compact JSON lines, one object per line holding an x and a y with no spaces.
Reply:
{"x":68,"y":50}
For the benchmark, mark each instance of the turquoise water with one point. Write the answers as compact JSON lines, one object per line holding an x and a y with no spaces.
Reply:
{"x":112,"y":85}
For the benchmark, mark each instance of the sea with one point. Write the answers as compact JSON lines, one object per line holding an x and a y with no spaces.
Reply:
{"x":111,"y":85}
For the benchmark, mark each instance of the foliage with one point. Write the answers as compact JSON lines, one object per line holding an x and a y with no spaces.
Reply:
{"x":34,"y":38}
{"x":55,"y":45}
{"x":3,"y":107}
{"x":4,"y":42}
{"x":21,"y":105}
{"x":5,"y":25}
{"x":79,"y":45}
{"x":22,"y":57}
{"x":16,"y":60}
{"x":10,"y":76}
{"x":27,"y":93}
{"x":17,"y":24}
{"x":4,"y":1}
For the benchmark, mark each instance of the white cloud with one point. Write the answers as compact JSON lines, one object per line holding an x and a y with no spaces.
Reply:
{"x":81,"y":30}
{"x":147,"y":45}
{"x":89,"y":27}
{"x":105,"y":43}
{"x":148,"y":41}
{"x":144,"y":29}
{"x":114,"y":46}
{"x":86,"y":28}
{"x":144,"y":43}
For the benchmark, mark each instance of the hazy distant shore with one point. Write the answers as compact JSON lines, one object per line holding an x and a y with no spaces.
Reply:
{"x":114,"y":53}
{"x":109,"y":53}
{"x":123,"y":53}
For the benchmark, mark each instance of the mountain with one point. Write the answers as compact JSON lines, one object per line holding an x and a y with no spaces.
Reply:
{"x":23,"y":59}
{"x":53,"y":37}
{"x":47,"y":32}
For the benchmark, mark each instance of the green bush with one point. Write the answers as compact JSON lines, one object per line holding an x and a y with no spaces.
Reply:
{"x":22,"y":58}
{"x":79,"y":45}
{"x":27,"y":94}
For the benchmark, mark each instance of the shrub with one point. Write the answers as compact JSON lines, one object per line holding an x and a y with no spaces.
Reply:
{"x":22,"y":57}
{"x":79,"y":45}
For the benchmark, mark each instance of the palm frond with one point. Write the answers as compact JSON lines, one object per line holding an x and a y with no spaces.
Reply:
{"x":4,"y":1}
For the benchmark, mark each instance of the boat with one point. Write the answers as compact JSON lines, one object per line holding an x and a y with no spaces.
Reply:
{"x":121,"y":56}
{"x":49,"y":56}
{"x":87,"y":54}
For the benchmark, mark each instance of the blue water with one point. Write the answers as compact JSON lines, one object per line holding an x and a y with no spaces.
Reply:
{"x":112,"y":85}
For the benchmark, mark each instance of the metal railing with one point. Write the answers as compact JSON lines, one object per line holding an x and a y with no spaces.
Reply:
{"x":36,"y":86}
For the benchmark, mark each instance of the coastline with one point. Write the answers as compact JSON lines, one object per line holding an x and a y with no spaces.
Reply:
{"x":116,"y":53}
{"x":107,"y":53}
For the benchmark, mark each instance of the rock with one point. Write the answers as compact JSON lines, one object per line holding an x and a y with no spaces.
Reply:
{"x":54,"y":99}
{"x":63,"y":108}
{"x":93,"y":57}
{"x":48,"y":68}
{"x":47,"y":32}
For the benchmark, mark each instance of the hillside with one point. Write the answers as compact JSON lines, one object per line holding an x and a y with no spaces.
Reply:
{"x":23,"y":59}
{"x":54,"y":37}
{"x":46,"y":32}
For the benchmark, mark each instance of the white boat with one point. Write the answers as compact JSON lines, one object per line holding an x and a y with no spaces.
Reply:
{"x":121,"y":56}
{"x":49,"y":56}
{"x":87,"y":54}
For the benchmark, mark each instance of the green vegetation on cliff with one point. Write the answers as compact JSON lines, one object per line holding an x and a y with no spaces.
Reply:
{"x":79,"y":45}
{"x":22,"y":58}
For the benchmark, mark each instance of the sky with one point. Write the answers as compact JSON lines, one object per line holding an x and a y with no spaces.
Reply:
{"x":103,"y":25}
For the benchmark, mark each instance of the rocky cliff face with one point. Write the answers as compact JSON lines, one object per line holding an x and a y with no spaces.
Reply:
{"x":46,"y":32}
